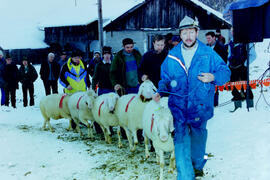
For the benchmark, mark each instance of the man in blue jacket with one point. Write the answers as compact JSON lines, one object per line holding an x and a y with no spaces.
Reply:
{"x":189,"y":74}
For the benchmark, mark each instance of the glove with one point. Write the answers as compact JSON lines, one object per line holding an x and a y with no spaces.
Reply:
{"x":206,"y":77}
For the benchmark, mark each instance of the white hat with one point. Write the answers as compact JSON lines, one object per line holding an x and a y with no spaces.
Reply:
{"x":188,"y":22}
{"x":51,"y":55}
{"x":1,"y":53}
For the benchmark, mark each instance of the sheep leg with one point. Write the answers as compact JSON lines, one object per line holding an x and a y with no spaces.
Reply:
{"x":135,"y":138}
{"x":157,"y":157}
{"x":129,"y":139}
{"x":146,"y":141}
{"x":161,"y":155}
{"x":104,"y":132}
{"x":90,"y":132}
{"x":45,"y":123}
{"x":108,"y":133}
{"x":69,"y":126}
{"x":172,"y":162}
{"x":120,"y":145}
{"x":77,"y":122}
{"x":50,"y":126}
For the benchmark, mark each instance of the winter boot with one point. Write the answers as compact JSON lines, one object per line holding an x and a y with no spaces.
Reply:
{"x":198,"y":173}
{"x":250,"y":103}
{"x":237,"y":104}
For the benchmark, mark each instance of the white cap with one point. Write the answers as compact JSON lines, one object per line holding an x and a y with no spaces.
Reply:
{"x":51,"y":55}
{"x":188,"y":22}
{"x":1,"y":53}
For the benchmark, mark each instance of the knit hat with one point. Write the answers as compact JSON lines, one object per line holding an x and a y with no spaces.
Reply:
{"x":127,"y":41}
{"x":25,"y":59}
{"x":8,"y":56}
{"x":1,"y":53}
{"x":107,"y":49}
{"x":75,"y":53}
{"x":188,"y":22}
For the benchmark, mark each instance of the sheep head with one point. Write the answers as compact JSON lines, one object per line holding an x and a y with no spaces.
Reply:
{"x":111,"y":101}
{"x":147,"y":89}
{"x":163,"y":123}
{"x":88,"y":101}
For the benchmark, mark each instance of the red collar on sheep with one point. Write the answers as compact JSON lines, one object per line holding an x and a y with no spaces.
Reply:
{"x":79,"y":102}
{"x":129,"y":103}
{"x":61,"y":101}
{"x":100,"y":108}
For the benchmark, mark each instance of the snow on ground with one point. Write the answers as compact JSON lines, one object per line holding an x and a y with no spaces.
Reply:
{"x":239,"y":143}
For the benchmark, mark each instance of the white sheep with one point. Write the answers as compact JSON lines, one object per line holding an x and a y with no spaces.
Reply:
{"x":80,"y":106}
{"x":129,"y":111}
{"x":157,"y":124}
{"x":54,"y":106}
{"x":103,"y":112}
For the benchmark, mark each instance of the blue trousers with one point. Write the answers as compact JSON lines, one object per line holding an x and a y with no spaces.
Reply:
{"x":3,"y":96}
{"x":189,"y":150}
{"x":104,"y":91}
{"x":131,"y":90}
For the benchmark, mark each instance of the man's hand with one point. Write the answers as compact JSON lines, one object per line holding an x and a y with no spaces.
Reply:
{"x":144,"y":77}
{"x":206,"y":77}
{"x":117,"y":87}
{"x":156,"y":97}
{"x":69,"y":87}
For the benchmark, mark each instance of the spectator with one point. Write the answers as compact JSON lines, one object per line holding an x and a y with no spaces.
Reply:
{"x":168,"y":41}
{"x":175,"y":40}
{"x":93,"y":62}
{"x":74,"y":76}
{"x":63,"y":58}
{"x":124,"y":68}
{"x":237,"y":58}
{"x":27,"y":76}
{"x":219,"y":37}
{"x":220,"y":50}
{"x":49,"y":73}
{"x":11,"y":79}
{"x":2,"y":81}
{"x":149,"y":67}
{"x":102,"y":73}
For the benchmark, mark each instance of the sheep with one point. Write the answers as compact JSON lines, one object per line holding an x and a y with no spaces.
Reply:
{"x":103,"y":112}
{"x":157,"y":125}
{"x":80,"y":105}
{"x":129,"y":111}
{"x":54,"y":106}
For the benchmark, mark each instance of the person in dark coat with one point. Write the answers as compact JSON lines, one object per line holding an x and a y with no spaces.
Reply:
{"x":27,"y":76}
{"x":2,"y":81}
{"x":219,"y":37}
{"x":237,"y":58}
{"x":149,"y":67}
{"x":93,"y":62}
{"x":49,"y":73}
{"x":11,"y":78}
{"x":63,"y":59}
{"x":220,"y":49}
{"x":102,"y":73}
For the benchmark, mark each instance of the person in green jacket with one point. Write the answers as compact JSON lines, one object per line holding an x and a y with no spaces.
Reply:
{"x":124,"y":68}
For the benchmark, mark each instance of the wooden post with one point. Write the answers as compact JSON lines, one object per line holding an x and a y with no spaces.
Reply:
{"x":100,"y":25}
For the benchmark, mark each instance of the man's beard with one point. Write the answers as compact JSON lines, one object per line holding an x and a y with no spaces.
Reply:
{"x":189,"y":46}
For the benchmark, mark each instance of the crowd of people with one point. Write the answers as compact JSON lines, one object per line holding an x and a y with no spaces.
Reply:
{"x":124,"y":71}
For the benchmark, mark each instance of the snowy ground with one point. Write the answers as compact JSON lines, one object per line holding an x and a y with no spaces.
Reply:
{"x":239,"y":143}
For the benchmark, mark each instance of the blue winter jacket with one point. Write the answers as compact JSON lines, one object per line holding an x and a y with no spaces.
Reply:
{"x":193,"y":100}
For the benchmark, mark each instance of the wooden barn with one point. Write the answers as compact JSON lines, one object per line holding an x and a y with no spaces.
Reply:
{"x":71,"y":37}
{"x":150,"y":17}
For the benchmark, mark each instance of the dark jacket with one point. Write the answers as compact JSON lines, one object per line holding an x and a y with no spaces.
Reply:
{"x":118,"y":67}
{"x":237,"y":55}
{"x":92,"y":64}
{"x":27,"y":77}
{"x":221,"y":51}
{"x":221,"y":39}
{"x":45,"y":70}
{"x":102,"y":76}
{"x":150,"y":65}
{"x":11,"y":76}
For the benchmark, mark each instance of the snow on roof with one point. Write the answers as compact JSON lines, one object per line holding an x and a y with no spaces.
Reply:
{"x":83,"y":12}
{"x":209,"y":9}
{"x":22,"y":21}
